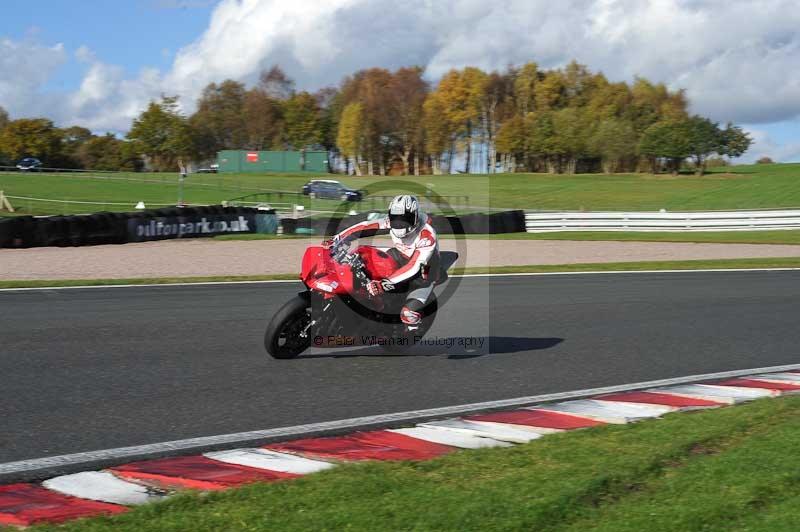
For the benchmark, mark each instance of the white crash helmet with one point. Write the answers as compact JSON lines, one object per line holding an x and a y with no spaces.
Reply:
{"x":404,"y":217}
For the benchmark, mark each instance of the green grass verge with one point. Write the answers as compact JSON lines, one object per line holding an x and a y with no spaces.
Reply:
{"x":786,"y":262}
{"x":731,"y":469}
{"x":736,"y":187}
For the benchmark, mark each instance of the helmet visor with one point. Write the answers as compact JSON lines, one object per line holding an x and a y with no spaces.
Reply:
{"x":402,"y":221}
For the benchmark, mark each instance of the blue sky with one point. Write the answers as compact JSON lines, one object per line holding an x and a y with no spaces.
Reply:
{"x":98,"y":63}
{"x":132,"y":34}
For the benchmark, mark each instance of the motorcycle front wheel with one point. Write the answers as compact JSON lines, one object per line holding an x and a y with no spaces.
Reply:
{"x":282,"y":338}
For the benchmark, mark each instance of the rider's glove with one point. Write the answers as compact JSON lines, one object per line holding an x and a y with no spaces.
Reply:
{"x":378,"y":287}
{"x":374,"y":288}
{"x":332,"y":242}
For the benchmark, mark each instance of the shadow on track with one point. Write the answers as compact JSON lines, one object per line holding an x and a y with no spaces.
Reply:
{"x":492,"y":345}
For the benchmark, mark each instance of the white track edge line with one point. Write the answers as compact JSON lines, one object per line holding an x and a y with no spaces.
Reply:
{"x":518,"y":274}
{"x":355,"y":423}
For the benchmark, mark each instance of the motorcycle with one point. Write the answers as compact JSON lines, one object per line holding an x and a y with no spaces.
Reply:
{"x":336,"y":310}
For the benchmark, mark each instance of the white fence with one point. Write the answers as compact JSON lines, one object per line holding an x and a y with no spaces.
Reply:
{"x":540,"y":222}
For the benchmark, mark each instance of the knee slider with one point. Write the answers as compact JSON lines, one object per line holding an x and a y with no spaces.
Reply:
{"x":409,"y":315}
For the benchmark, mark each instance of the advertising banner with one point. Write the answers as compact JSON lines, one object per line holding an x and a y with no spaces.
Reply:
{"x":160,"y":228}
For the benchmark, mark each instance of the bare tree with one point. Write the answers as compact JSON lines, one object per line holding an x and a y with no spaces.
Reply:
{"x":276,"y":83}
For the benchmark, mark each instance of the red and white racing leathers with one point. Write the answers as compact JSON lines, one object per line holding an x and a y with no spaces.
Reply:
{"x":418,"y":256}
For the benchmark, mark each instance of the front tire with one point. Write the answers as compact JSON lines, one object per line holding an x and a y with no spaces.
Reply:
{"x":282,"y":339}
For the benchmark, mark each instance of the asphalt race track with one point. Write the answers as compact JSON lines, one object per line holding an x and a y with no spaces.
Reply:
{"x":87,"y":369}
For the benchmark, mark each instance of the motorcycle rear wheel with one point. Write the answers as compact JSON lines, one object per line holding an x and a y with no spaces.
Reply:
{"x":282,"y":339}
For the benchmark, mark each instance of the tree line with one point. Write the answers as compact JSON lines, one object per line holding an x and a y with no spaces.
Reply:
{"x":383,"y":122}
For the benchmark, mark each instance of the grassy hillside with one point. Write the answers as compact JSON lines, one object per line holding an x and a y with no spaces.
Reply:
{"x":738,"y":187}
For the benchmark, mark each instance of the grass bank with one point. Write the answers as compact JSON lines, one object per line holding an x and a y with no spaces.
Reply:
{"x":724,"y":470}
{"x":733,"y":264}
{"x":735,"y":187}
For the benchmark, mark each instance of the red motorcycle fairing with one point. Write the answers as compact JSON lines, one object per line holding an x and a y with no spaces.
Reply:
{"x":322,"y":274}
{"x":379,"y":264}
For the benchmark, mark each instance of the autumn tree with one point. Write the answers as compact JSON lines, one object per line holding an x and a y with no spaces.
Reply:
{"x":735,"y":141}
{"x":459,"y":102}
{"x":107,"y":152}
{"x":609,"y":100}
{"x":4,"y":118}
{"x":439,"y":132}
{"x":31,"y":137}
{"x":512,"y":142}
{"x":549,"y":91}
{"x":263,"y":120}
{"x":219,"y":122}
{"x":571,"y":138}
{"x":302,"y":119}
{"x":614,"y":141}
{"x":330,"y":104}
{"x":349,"y":139}
{"x":704,"y":138}
{"x":72,"y":138}
{"x":370,"y":88}
{"x":407,"y":92}
{"x":651,"y":103}
{"x":525,"y":81}
{"x":543,"y":143}
{"x":578,"y":84}
{"x":497,"y":92}
{"x":162,"y":134}
{"x":667,"y":140}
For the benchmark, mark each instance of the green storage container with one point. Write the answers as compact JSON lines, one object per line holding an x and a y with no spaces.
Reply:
{"x":316,"y":161}
{"x":262,"y":162}
{"x":229,"y":161}
{"x":292,"y":161}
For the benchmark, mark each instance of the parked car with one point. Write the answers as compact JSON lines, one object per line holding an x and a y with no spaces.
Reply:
{"x":210,"y":169}
{"x":328,"y":189}
{"x":29,"y":164}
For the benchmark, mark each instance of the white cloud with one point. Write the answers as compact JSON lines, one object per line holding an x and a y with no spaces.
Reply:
{"x":737,"y":60}
{"x":765,"y":145}
{"x":24,"y":67}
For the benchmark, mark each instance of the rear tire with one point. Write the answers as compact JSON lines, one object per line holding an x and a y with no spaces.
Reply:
{"x":282,"y":339}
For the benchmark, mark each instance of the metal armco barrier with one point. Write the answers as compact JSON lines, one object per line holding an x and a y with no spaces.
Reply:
{"x":540,"y":222}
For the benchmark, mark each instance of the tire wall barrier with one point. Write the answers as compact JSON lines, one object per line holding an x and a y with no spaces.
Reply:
{"x":470,"y":224}
{"x":142,"y":226}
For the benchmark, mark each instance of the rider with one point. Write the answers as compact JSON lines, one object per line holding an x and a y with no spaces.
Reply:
{"x":416,"y":251}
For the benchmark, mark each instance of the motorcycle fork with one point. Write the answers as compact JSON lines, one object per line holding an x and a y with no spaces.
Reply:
{"x":323,"y":314}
